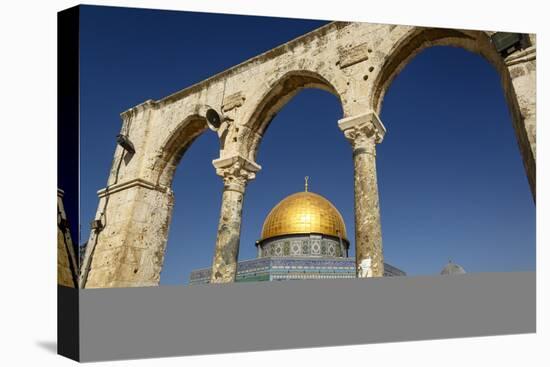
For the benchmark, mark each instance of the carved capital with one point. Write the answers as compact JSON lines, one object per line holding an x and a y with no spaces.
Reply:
{"x":236,"y":171}
{"x":363,"y":131}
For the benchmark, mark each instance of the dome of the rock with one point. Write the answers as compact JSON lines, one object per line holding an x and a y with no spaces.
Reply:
{"x":303,"y":237}
{"x":304,"y":213}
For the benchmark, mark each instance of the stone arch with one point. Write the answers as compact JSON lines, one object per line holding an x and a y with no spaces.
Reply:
{"x":133,"y":243}
{"x":276,"y":97}
{"x":128,"y":249}
{"x":414,"y":41}
{"x":174,"y":146}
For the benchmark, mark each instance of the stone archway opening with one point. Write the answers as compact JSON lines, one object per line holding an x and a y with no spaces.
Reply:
{"x":288,"y":86}
{"x":175,"y":147}
{"x":237,"y":170}
{"x":303,"y":139}
{"x":522,"y":110}
{"x":459,"y":145}
{"x":192,"y":231}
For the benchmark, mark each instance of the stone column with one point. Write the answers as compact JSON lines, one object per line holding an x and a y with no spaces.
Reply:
{"x":236,"y":171}
{"x":364,"y":132}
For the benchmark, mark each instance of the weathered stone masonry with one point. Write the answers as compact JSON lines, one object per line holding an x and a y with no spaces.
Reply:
{"x":236,"y":172}
{"x":364,"y":132}
{"x":354,"y":61}
{"x":67,"y":260}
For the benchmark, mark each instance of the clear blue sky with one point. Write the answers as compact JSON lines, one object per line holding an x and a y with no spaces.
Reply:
{"x":451,"y":180}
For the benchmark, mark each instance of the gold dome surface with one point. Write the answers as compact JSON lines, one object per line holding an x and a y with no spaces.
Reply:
{"x":302,"y":213}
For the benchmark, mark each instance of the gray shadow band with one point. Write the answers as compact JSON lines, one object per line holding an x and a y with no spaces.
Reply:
{"x":128,"y":323}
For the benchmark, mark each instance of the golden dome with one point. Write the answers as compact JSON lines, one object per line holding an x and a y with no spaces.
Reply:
{"x":303,"y":213}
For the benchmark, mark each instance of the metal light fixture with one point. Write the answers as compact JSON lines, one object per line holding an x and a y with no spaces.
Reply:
{"x":213,"y":119}
{"x":125,"y":143}
{"x":506,"y":43}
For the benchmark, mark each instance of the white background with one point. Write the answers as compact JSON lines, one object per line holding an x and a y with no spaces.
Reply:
{"x":28,"y":181}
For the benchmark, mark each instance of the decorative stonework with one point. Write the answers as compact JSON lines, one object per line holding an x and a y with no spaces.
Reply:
{"x":303,"y":246}
{"x":363,"y":131}
{"x":236,"y":172}
{"x":354,"y":55}
{"x":233,"y":101}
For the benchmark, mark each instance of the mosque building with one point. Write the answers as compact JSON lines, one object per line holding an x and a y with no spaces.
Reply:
{"x":303,"y":237}
{"x":452,"y":268}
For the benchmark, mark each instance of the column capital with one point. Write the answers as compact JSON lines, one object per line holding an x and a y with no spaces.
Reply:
{"x":363,"y":130}
{"x":236,"y":171}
